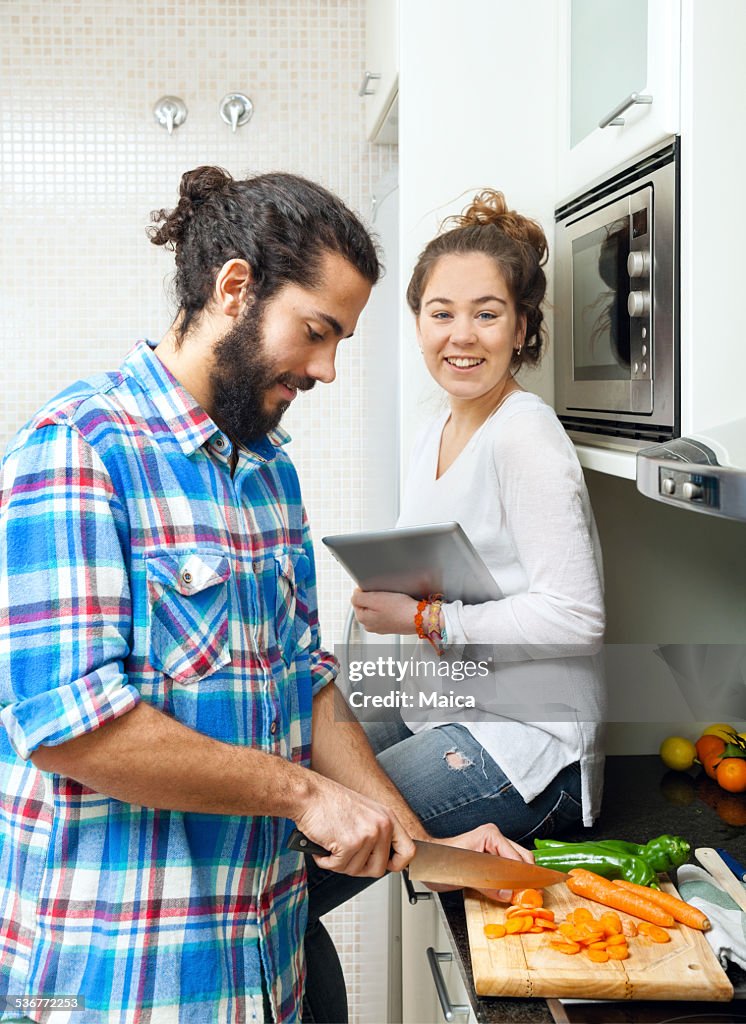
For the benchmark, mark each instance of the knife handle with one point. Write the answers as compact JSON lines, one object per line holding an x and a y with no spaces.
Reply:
{"x":303,"y":844}
{"x":711,"y":861}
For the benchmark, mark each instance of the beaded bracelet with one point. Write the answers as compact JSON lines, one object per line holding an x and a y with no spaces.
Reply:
{"x":426,"y":632}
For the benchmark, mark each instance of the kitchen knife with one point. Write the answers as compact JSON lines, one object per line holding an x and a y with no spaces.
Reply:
{"x":450,"y":865}
{"x":711,"y":861}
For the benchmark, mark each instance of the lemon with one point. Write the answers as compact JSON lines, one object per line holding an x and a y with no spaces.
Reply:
{"x":678,"y":753}
{"x":721,"y":729}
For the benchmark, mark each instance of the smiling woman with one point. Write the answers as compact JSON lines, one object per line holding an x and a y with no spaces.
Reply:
{"x":499,"y":462}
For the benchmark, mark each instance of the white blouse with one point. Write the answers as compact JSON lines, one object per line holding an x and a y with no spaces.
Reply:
{"x":518,"y":491}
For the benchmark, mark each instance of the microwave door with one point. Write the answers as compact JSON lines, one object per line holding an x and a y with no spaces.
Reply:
{"x":609,"y":365}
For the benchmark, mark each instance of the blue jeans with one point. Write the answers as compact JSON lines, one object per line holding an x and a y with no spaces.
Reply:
{"x":453,"y":786}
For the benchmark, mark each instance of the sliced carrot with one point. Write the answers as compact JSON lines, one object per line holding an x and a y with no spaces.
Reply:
{"x":517,"y":925}
{"x":545,"y":925}
{"x":565,"y":947}
{"x":611,"y":922}
{"x":601,"y":944}
{"x":530,"y":897}
{"x":618,"y":952}
{"x":535,"y":929}
{"x":618,"y":940}
{"x":653,"y":932}
{"x":581,"y":915}
{"x":599,"y":956}
{"x":494,"y":931}
{"x":629,"y":928}
{"x":543,"y":912}
{"x":679,"y":910}
{"x":519,"y":912}
{"x":594,"y":887}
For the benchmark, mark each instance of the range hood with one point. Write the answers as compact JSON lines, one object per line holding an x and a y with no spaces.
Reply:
{"x":705,"y":472}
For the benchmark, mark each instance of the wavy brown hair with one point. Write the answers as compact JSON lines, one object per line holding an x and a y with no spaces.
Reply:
{"x":518,"y":246}
{"x":281,"y":224}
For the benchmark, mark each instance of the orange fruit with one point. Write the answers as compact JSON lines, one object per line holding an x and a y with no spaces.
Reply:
{"x":709,"y":744}
{"x":710,"y":763}
{"x":731,"y":774}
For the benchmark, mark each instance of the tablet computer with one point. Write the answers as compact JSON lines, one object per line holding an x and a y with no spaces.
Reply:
{"x":418,"y":561}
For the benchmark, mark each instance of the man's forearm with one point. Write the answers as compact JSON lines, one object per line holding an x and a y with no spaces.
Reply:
{"x":340,"y":751}
{"x":147,"y":758}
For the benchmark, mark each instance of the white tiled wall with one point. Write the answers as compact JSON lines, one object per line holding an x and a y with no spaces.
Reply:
{"x":83,"y":162}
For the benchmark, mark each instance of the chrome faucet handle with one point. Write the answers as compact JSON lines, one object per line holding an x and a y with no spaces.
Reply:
{"x":236,"y":109}
{"x":170,"y":111}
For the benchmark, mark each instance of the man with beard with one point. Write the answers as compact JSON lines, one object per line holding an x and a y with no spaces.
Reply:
{"x":159,"y":645}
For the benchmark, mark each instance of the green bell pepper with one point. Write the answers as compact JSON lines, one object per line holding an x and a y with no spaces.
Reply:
{"x":608,"y":863}
{"x":663,"y":853}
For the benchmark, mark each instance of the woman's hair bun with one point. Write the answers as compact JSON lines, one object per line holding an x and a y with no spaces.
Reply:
{"x":489,"y":207}
{"x":196,"y":187}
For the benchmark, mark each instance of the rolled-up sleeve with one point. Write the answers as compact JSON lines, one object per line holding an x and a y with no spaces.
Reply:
{"x":65,"y":604}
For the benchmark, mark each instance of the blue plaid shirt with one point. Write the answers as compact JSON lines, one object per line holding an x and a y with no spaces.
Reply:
{"x":133,"y":567}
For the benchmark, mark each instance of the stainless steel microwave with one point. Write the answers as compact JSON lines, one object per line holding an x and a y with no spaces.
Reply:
{"x":616,"y":306}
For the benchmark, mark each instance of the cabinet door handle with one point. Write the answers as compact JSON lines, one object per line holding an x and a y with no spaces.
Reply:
{"x":368,"y":77}
{"x":449,"y":1009}
{"x":413,"y":895}
{"x":613,"y":117}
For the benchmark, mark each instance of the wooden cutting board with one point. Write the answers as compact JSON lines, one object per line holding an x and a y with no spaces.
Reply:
{"x":526,"y":965}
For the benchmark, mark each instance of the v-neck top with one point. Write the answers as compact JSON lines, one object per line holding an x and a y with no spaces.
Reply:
{"x":518,"y":491}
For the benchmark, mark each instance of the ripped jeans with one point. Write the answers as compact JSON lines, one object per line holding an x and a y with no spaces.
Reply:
{"x":453,"y":786}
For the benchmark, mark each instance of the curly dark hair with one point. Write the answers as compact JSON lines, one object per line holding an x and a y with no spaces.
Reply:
{"x":516,"y":244}
{"x":281,"y":224}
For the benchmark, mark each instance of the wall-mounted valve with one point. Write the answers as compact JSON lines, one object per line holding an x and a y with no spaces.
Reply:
{"x":170,"y":112}
{"x":236,"y":109}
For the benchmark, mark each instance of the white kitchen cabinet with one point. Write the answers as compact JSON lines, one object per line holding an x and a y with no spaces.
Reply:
{"x":609,"y":51}
{"x":423,"y":928}
{"x":379,"y":87}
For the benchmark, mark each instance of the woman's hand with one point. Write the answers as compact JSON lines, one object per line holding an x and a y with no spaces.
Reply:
{"x":486,"y":839}
{"x":382,"y":612}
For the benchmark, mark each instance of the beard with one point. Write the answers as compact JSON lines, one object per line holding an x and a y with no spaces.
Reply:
{"x":241,"y":377}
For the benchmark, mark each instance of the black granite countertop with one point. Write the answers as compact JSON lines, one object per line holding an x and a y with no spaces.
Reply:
{"x":642,"y":799}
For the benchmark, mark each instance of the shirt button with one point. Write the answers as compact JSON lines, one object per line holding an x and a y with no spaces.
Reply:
{"x":273,"y":728}
{"x":186,"y":576}
{"x":220,"y":443}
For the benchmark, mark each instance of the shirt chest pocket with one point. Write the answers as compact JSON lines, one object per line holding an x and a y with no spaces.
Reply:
{"x":188,"y":598}
{"x":291,"y":570}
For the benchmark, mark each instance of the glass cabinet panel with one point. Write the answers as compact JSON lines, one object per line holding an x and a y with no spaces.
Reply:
{"x":608,"y":59}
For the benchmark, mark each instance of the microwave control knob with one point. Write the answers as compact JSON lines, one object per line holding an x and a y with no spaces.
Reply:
{"x":691,"y":490}
{"x":638,"y":303}
{"x":638,"y":263}
{"x":668,"y":486}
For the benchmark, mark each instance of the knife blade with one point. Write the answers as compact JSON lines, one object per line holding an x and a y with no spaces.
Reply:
{"x":450,"y":865}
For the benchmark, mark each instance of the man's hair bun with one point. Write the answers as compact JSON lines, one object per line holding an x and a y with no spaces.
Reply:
{"x":202,"y":182}
{"x":196,"y":188}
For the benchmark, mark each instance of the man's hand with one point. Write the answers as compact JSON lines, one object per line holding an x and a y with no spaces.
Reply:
{"x":360,"y":833}
{"x":382,"y":612}
{"x":486,"y":839}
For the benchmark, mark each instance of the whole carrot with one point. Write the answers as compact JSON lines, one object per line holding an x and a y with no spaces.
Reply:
{"x":681,"y":911}
{"x":594,"y":887}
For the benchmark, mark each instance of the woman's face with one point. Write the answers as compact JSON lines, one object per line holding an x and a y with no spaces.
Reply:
{"x":468,"y":327}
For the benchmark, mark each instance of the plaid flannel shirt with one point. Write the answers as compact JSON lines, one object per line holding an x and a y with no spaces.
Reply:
{"x":133,"y":567}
